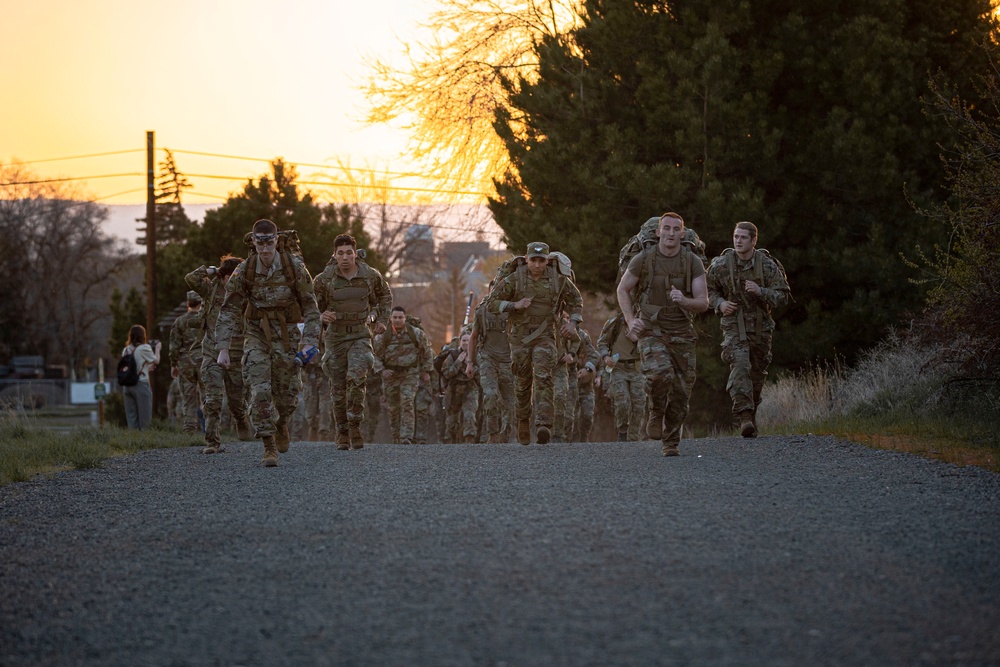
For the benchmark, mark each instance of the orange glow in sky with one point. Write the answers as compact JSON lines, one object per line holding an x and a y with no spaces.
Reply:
{"x":235,"y":77}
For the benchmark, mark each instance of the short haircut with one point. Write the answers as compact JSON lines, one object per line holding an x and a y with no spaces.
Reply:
{"x":137,"y":335}
{"x":265,"y":226}
{"x":344,"y":239}
{"x":671,"y":214}
{"x":228,"y":264}
{"x":399,"y":308}
{"x":748,"y":227}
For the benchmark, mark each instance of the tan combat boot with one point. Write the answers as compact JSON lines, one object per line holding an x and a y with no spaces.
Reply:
{"x":281,"y":438}
{"x":747,"y":428}
{"x":343,"y":440}
{"x":543,"y":434}
{"x":670,"y":450}
{"x":270,"y":452}
{"x":243,"y":429}
{"x":357,"y":440}
{"x":524,"y":432}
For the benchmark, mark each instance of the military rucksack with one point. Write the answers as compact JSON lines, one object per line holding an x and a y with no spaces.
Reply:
{"x":649,"y":235}
{"x":287,"y":245}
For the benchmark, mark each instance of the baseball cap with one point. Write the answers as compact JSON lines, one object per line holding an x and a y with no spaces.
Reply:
{"x":538,"y":249}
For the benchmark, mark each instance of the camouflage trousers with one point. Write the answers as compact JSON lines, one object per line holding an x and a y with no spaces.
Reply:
{"x":585,"y":403}
{"x":374,"y":389}
{"x":497,"y":382}
{"x":222,"y":385}
{"x":269,"y":370}
{"x":564,"y":394}
{"x":400,"y":398}
{"x":347,"y":363}
{"x":628,"y":394}
{"x":533,"y":366}
{"x":748,"y":361}
{"x":464,"y":411}
{"x":421,"y":413}
{"x":318,"y":405}
{"x":669,"y":366}
{"x":190,"y":377}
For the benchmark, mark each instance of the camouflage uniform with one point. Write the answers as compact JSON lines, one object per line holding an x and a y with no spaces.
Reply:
{"x":667,"y":344}
{"x":464,"y":399}
{"x":589,"y":361}
{"x":565,"y":388}
{"x":532,"y":333}
{"x":220,"y":383}
{"x":374,"y":391}
{"x":625,"y":384}
{"x":270,"y":310}
{"x":422,"y":410}
{"x":495,"y":376}
{"x":185,"y":355}
{"x":318,"y":404}
{"x":747,"y":334}
{"x":348,"y":357}
{"x":175,"y":402}
{"x":408,"y":355}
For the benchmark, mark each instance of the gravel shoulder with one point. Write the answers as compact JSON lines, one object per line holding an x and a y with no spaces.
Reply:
{"x":775,"y":551}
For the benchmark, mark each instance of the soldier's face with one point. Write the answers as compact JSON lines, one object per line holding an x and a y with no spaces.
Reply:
{"x":671,"y":232}
{"x":465,"y":342}
{"x":266,"y":249}
{"x":398,"y":319}
{"x":536,"y":266}
{"x":743,"y":243}
{"x":346,"y":257}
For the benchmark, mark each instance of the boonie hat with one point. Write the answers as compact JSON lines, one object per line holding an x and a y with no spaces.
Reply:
{"x":538,"y":249}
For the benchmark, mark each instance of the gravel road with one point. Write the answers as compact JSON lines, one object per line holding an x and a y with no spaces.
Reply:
{"x":776,"y":551}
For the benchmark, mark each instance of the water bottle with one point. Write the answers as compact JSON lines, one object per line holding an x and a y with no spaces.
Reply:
{"x":614,"y":360}
{"x":303,"y":358}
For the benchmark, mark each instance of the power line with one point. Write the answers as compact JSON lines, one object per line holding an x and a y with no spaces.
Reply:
{"x":80,"y":157}
{"x":68,"y":178}
{"x":345,"y":185}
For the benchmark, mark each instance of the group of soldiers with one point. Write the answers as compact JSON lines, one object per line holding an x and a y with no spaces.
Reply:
{"x":523,"y":368}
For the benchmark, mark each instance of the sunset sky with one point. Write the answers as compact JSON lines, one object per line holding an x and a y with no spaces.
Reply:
{"x":235,"y":77}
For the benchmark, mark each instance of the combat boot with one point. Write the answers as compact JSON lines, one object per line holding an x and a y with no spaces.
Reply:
{"x":497,"y":438}
{"x":747,"y":428}
{"x":543,"y":434}
{"x":623,"y":437}
{"x":243,"y":429}
{"x":270,"y":452}
{"x":281,"y":438}
{"x":524,"y":432}
{"x":357,"y":440}
{"x":654,"y":426}
{"x":470,"y":439}
{"x":670,"y":450}
{"x":343,"y":440}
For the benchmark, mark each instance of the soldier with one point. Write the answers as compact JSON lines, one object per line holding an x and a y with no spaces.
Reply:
{"x":185,"y":358}
{"x":744,"y":284}
{"x":349,"y":294}
{"x":464,"y":392}
{"x":662,"y":289}
{"x":564,"y":385}
{"x":422,"y":405}
{"x":586,"y":371}
{"x":406,"y":358}
{"x":220,"y":383}
{"x":277,"y":291}
{"x":623,"y":381}
{"x":534,"y":296}
{"x":318,"y":403}
{"x":374,"y":394}
{"x":489,"y":349}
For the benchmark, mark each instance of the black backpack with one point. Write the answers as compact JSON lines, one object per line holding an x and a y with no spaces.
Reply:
{"x":128,"y":373}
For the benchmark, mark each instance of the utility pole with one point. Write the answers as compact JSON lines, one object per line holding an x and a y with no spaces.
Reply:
{"x":150,"y":236}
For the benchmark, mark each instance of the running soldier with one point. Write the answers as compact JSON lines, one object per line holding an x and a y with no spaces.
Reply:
{"x":185,"y":358}
{"x":744,"y":285}
{"x":662,"y":289}
{"x":464,"y":393}
{"x":211,"y":282}
{"x":349,"y":294}
{"x":272,"y":292}
{"x":623,"y":381}
{"x":586,"y":371}
{"x":489,"y":349}
{"x":534,"y":296}
{"x":406,"y":358}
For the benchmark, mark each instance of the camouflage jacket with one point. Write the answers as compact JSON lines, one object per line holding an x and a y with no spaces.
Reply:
{"x":214,"y":293}
{"x":375,"y":301}
{"x":551,"y":294}
{"x":269,"y":305}
{"x":409,"y":348}
{"x":185,"y":339}
{"x":726,"y":276}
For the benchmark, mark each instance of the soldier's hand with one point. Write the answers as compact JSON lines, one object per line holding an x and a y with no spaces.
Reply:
{"x":728,"y":307}
{"x":523,"y":303}
{"x":584,"y":374}
{"x":470,"y":370}
{"x":175,"y":372}
{"x":379,"y":328}
{"x":328,"y":317}
{"x":567,"y":358}
{"x":752,"y":287}
{"x":223,"y":359}
{"x":597,"y":381}
{"x":676,"y":295}
{"x":568,"y":329}
{"x":635,"y":328}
